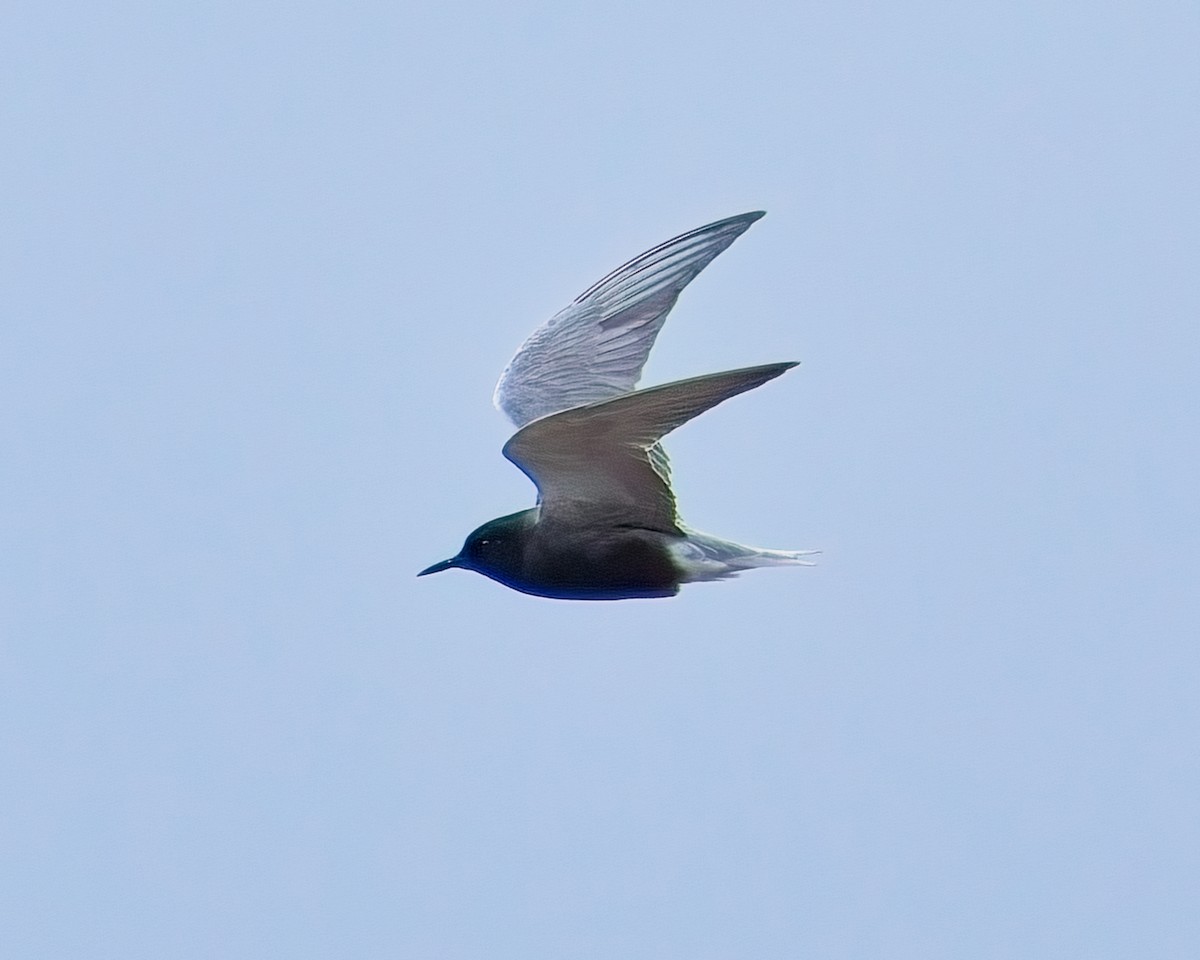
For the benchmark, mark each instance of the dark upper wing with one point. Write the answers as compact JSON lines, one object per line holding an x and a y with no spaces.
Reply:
{"x":595,"y":461}
{"x":595,"y":348}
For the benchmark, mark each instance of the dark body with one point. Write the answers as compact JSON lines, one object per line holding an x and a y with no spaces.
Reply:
{"x":553,"y":559}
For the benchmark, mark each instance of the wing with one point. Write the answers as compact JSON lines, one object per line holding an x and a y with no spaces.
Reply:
{"x":595,"y":348}
{"x":595,"y":462}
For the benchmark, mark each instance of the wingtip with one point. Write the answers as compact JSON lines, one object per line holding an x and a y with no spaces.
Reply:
{"x":753,"y":216}
{"x":767,"y":371}
{"x":742,"y":220}
{"x":762,"y":372}
{"x":779,"y":369}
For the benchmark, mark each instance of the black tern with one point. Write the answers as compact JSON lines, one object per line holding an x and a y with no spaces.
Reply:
{"x":605,"y":526}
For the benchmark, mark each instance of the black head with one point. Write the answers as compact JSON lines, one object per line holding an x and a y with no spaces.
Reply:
{"x":496,"y":549}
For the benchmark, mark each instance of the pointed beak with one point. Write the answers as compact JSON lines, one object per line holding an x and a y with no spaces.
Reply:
{"x":439,"y":567}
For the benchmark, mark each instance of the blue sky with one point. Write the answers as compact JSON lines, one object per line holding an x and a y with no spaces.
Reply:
{"x":262,"y":265}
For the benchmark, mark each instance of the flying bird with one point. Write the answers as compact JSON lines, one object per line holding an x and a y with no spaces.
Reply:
{"x":605,"y":526}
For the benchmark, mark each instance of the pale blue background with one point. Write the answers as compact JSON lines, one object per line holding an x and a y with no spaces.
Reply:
{"x":261,"y":267}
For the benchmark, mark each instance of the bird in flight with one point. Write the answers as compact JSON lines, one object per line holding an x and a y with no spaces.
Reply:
{"x":605,"y":526}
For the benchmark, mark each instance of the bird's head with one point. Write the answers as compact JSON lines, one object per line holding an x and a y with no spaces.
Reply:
{"x":495,"y":549}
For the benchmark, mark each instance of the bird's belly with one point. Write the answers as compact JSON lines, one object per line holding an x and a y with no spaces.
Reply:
{"x":628,"y":565}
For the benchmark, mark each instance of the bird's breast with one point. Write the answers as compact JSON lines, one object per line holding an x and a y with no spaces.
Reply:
{"x":601,"y":563}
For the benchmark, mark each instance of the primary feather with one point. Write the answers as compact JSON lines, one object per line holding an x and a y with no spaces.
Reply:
{"x":595,"y":348}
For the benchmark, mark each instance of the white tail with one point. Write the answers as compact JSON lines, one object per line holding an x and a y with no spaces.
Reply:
{"x":705,"y":557}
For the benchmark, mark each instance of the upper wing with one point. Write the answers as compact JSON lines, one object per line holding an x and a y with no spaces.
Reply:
{"x":596,"y":461}
{"x":595,"y":348}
